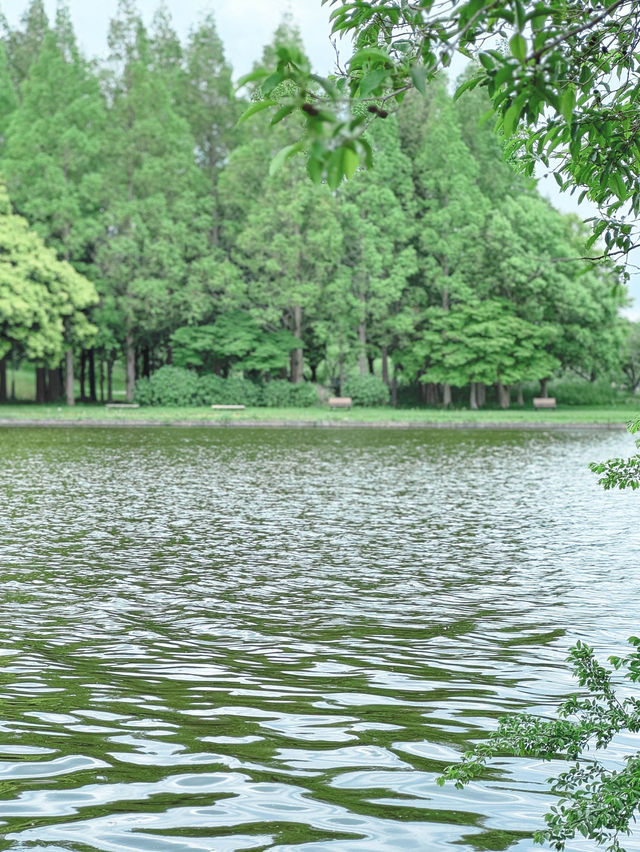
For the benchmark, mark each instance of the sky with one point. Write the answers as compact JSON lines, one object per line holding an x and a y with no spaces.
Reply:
{"x":245,"y":26}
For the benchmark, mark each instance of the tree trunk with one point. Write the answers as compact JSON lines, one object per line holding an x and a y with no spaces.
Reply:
{"x":41,"y":384}
{"x":520,"y":395}
{"x":504,"y":395}
{"x":362,"y":356}
{"x":297,"y":356}
{"x":481,"y":393}
{"x":340,"y":372}
{"x":3,"y":379}
{"x":431,"y":393}
{"x":131,"y":366}
{"x":446,"y":394}
{"x":92,"y":376}
{"x":146,"y":362}
{"x":83,"y":372}
{"x":385,"y":366}
{"x":54,"y":388}
{"x":473,"y":401}
{"x":394,"y":388}
{"x":544,"y":392}
{"x":101,"y":376}
{"x":371,"y":363}
{"x":110,"y":380}
{"x":68,"y":379}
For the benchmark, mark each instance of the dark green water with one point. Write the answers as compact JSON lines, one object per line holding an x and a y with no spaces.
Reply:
{"x":276,"y":639}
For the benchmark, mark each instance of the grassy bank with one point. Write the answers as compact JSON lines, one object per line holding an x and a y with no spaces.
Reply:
{"x":98,"y":414}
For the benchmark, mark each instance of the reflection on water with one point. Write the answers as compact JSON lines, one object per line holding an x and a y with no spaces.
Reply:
{"x":277,"y":639}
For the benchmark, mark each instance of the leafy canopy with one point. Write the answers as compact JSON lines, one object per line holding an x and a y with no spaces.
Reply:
{"x":562,"y":76}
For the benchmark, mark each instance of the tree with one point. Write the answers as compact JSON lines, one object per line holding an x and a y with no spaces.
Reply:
{"x":155,"y":227}
{"x":378,"y":258}
{"x":552,"y":87}
{"x":43,"y":301}
{"x":53,"y":153}
{"x":486,"y":343}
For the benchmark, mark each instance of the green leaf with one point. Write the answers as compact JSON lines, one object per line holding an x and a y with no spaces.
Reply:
{"x":518,"y":47}
{"x":567,"y":104}
{"x":282,"y":113}
{"x":511,"y":117}
{"x":350,"y":162}
{"x":335,"y":169}
{"x":419,"y":78}
{"x":367,"y":54}
{"x":372,"y":81}
{"x":486,"y":61}
{"x":258,"y":74}
{"x":282,"y":156}
{"x":258,"y":106}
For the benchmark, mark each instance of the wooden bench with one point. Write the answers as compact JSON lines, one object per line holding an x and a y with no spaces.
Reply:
{"x":122,"y":405}
{"x":340,"y":402}
{"x":228,"y":407}
{"x":544,"y":402}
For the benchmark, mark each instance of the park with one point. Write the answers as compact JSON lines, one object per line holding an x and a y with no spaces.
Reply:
{"x":319,"y":396}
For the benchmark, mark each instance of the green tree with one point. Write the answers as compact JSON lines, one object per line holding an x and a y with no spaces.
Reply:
{"x":550,"y":88}
{"x":43,"y":301}
{"x":378,"y":258}
{"x":208,"y":103}
{"x":53,"y":153}
{"x":486,"y":343}
{"x":155,"y":228}
{"x":24,"y":44}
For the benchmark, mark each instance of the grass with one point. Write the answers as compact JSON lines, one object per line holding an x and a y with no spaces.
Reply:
{"x":384,"y":416}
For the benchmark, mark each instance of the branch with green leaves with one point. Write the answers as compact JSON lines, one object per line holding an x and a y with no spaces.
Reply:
{"x":595,"y":802}
{"x":562,"y":77}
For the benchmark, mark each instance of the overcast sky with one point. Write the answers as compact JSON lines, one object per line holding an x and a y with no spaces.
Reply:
{"x":245,"y":26}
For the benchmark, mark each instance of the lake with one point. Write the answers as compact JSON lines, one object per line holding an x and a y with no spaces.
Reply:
{"x":273,"y":639}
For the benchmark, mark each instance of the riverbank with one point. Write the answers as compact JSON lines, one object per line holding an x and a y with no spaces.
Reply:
{"x":97,"y":415}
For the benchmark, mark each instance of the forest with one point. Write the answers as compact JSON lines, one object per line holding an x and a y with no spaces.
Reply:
{"x":142,"y":223}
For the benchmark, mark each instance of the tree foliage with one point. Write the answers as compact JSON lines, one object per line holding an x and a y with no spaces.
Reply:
{"x":562,"y":77}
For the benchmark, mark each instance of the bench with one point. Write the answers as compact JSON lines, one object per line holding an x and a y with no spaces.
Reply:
{"x":544,"y":402}
{"x":122,"y":405}
{"x":340,"y":402}
{"x":228,"y":407}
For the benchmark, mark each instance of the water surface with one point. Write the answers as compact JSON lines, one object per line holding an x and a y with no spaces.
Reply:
{"x":276,"y":639}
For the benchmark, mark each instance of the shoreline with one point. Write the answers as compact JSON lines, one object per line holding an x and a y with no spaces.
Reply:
{"x":530,"y":426}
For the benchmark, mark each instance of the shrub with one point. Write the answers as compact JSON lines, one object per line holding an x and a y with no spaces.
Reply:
{"x":282,"y":394}
{"x":582,"y":392}
{"x":366,"y":391}
{"x":168,"y":386}
{"x":142,"y":392}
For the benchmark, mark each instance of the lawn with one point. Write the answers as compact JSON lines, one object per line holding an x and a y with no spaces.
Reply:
{"x":98,"y":414}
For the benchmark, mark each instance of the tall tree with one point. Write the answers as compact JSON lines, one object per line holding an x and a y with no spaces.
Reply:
{"x":25,"y":43}
{"x":208,"y":102}
{"x":154,"y":223}
{"x":53,"y":151}
{"x":378,"y":258}
{"x":43,"y":301}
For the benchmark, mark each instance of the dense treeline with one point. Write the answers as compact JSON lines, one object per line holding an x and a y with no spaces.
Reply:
{"x":441,"y":268}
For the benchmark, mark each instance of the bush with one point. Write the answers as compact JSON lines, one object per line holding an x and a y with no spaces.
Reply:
{"x":282,"y":394}
{"x":168,"y":386}
{"x":366,"y":391}
{"x":214,"y":390}
{"x":178,"y":386}
{"x":582,"y":392}
{"x":142,"y":392}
